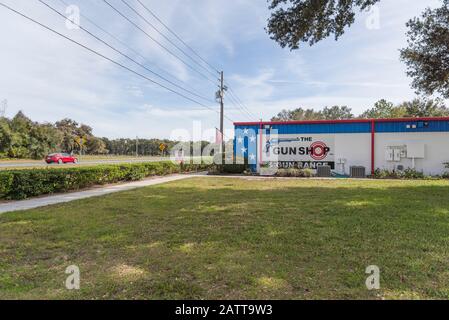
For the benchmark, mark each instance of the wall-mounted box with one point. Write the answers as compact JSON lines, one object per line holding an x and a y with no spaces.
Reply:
{"x":397,"y":155}
{"x":389,"y":154}
{"x":416,"y":150}
{"x":394,"y":154}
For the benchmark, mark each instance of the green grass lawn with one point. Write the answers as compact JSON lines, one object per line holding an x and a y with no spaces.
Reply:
{"x":214,"y":238}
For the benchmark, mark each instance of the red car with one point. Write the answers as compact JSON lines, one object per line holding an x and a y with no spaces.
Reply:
{"x":60,"y":158}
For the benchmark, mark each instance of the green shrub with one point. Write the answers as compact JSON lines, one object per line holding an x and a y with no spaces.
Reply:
{"x":406,"y":174}
{"x":22,"y":184}
{"x":385,"y":174}
{"x":308,"y":173}
{"x":195,"y":167}
{"x":6,"y":179}
{"x":229,"y":169}
{"x":412,"y":174}
{"x":293,"y":172}
{"x":446,"y":174}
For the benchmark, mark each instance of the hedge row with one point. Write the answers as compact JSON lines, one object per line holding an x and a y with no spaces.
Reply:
{"x":22,"y":184}
{"x":228,"y":169}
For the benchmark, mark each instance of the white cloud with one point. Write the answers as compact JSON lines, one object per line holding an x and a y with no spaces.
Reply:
{"x":256,"y":87}
{"x":50,"y":78}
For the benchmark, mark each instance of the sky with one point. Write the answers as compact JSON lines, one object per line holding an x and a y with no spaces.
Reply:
{"x":50,"y":78}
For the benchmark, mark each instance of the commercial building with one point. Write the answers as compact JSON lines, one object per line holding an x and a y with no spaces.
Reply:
{"x":392,"y":144}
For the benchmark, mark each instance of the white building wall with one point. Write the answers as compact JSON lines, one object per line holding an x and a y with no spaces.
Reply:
{"x":354,"y":149}
{"x":436,"y":146}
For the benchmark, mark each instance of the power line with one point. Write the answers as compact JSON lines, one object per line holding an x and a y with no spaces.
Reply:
{"x":177,"y":37}
{"x":106,"y":32}
{"x":128,"y":47}
{"x":106,"y":58}
{"x":224,"y":135}
{"x":236,"y":100}
{"x":243,"y":111}
{"x":123,"y":54}
{"x":236,"y":104}
{"x":165,"y":37}
{"x":240,"y":109}
{"x":157,"y":42}
{"x":239,"y":102}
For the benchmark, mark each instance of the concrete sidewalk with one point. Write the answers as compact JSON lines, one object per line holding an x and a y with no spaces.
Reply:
{"x":66,"y":197}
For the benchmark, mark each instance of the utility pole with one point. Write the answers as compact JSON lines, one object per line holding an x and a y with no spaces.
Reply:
{"x":137,"y":147}
{"x":3,"y":107}
{"x":222,"y":90}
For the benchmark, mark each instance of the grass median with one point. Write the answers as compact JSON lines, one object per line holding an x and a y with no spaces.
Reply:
{"x":225,"y":238}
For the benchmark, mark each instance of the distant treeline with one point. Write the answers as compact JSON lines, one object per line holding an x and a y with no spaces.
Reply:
{"x":381,"y":109}
{"x":145,"y":147}
{"x":22,"y":138}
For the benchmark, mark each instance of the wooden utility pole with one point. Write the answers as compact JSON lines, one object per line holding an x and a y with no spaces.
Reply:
{"x":137,"y":147}
{"x":222,"y":90}
{"x":3,"y":107}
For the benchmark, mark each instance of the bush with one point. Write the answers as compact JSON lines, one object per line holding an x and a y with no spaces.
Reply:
{"x":406,"y":174}
{"x":385,"y":174}
{"x":229,"y":169}
{"x":193,"y":167}
{"x":6,"y":179}
{"x":412,"y":174}
{"x":21,"y":184}
{"x":446,"y":174}
{"x":298,"y":173}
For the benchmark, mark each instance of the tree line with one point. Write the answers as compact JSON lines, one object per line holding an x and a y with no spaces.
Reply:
{"x":22,"y":138}
{"x":381,"y":109}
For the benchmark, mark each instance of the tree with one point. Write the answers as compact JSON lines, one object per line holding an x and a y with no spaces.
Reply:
{"x":5,"y":137}
{"x":75,"y":136}
{"x":409,"y":109}
{"x":84,"y":131}
{"x":284,"y":115}
{"x":384,"y":109}
{"x":298,"y":114}
{"x":68,"y":128}
{"x":337,"y":113}
{"x":96,"y":146}
{"x":328,"y":113}
{"x":296,"y":21}
{"x":20,"y":138}
{"x":427,"y":54}
{"x":425,"y":108}
{"x":21,"y":122}
{"x":43,"y":139}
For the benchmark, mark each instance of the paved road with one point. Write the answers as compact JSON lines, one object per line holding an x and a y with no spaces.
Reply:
{"x":66,"y":197}
{"x":86,"y":162}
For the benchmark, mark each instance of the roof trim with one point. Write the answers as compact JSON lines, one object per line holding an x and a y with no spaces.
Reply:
{"x":341,"y":121}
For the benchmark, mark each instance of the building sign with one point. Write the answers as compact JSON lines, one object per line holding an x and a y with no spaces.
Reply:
{"x":302,"y":152}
